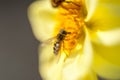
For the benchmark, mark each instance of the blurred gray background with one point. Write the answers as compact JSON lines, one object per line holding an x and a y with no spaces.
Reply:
{"x":18,"y":46}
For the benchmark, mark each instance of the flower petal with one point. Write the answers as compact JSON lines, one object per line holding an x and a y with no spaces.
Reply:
{"x":91,"y":6}
{"x":42,"y":18}
{"x":106,"y":44}
{"x":106,"y":15}
{"x":107,"y":60}
{"x":108,"y":38}
{"x":75,"y":67}
{"x":105,"y":68}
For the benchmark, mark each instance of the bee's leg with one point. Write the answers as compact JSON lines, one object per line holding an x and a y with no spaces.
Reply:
{"x":58,"y":58}
{"x":62,"y":53}
{"x":59,"y":54}
{"x":64,"y":50}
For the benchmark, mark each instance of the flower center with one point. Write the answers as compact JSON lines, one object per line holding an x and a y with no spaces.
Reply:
{"x":70,"y":18}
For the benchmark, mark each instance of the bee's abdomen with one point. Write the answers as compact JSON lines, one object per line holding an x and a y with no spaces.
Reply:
{"x":56,"y":47}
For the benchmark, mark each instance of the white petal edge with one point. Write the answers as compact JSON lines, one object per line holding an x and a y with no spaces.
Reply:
{"x":91,"y":6}
{"x":111,"y":37}
{"x":41,"y":16}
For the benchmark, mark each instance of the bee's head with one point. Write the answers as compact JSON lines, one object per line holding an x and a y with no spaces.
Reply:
{"x":62,"y":31}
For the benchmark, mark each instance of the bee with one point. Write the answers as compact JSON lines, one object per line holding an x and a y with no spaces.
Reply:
{"x":56,"y":3}
{"x":58,"y":40}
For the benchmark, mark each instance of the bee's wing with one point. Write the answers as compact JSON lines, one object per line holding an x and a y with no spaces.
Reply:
{"x":48,"y":41}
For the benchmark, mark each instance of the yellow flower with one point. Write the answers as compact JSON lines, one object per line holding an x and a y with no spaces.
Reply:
{"x":91,"y":43}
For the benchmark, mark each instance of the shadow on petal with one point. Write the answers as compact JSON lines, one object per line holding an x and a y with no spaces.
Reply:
{"x":106,"y":16}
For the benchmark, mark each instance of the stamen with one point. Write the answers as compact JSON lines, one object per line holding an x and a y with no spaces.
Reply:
{"x":70,"y":23}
